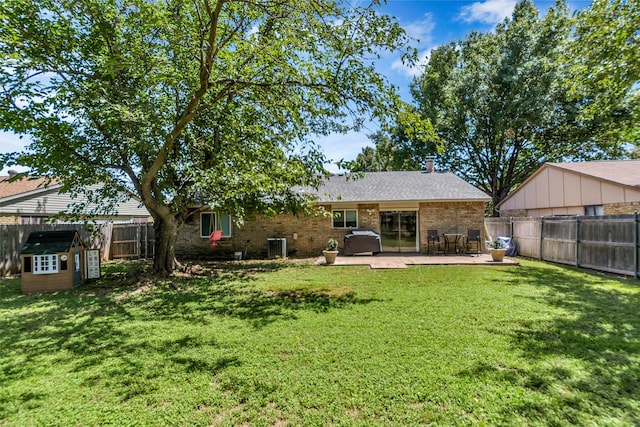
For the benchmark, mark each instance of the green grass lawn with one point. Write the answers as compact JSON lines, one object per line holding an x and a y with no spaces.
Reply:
{"x":279,"y":344}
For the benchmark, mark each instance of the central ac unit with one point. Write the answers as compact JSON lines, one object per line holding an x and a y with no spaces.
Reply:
{"x":276,"y":247}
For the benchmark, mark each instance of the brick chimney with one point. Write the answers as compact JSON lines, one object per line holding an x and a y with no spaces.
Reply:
{"x":429,"y":165}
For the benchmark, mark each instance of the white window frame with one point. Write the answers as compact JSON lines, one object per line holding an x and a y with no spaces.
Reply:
{"x":344,"y":216}
{"x":216,"y":223}
{"x":45,"y":264}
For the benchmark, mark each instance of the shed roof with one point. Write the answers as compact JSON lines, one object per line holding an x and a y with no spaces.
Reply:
{"x":51,"y":242}
{"x":399,"y":186}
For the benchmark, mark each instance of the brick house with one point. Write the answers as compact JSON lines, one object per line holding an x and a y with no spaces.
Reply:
{"x":609,"y":187}
{"x":401,"y":206}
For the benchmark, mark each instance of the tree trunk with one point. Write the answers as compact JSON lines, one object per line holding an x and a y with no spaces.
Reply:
{"x":164,"y":260}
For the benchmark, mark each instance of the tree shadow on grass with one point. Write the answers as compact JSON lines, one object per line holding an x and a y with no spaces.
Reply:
{"x":86,"y":330}
{"x":242,"y":301}
{"x":585,"y":358}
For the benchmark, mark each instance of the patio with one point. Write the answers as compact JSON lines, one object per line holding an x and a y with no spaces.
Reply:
{"x":402,"y":260}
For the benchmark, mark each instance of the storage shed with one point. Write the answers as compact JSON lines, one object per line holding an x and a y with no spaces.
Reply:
{"x":52,"y":261}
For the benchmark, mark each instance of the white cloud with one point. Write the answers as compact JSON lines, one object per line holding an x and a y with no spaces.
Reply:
{"x":10,"y":142}
{"x":421,"y":32}
{"x":417,"y":68}
{"x":343,"y":147}
{"x":488,"y":12}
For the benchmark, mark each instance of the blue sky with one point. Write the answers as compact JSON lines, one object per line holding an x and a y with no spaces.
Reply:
{"x":430,"y":23}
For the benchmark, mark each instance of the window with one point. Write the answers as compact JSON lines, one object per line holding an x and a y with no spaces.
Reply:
{"x":345,"y":218}
{"x":45,"y":264}
{"x":33,"y":219}
{"x":594,"y":210}
{"x":211,"y":221}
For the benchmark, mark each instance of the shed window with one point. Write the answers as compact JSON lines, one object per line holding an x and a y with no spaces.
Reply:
{"x":211,"y":221}
{"x":345,"y":218}
{"x":45,"y":264}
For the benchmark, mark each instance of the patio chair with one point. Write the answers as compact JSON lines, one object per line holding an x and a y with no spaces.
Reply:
{"x":214,"y":237}
{"x":434,"y":244}
{"x":473,"y":239}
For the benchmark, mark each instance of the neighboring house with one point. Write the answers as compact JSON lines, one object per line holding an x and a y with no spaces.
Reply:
{"x":28,"y":201}
{"x":401,"y":206}
{"x":581,"y":188}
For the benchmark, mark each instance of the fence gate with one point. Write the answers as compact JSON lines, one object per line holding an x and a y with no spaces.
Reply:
{"x":132,"y":241}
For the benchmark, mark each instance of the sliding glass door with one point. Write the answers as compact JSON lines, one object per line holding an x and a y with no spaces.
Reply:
{"x":398,"y":231}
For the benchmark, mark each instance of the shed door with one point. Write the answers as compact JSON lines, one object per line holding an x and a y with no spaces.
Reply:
{"x":398,"y":231}
{"x":77,"y":274}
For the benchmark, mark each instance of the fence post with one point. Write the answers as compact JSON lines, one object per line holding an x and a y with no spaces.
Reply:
{"x":541,"y":235}
{"x":635,"y":244}
{"x":577,"y":240}
{"x":138,"y":246}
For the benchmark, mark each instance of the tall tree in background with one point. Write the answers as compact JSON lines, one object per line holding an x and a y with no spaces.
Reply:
{"x":403,"y":144}
{"x":500,"y":103}
{"x":605,"y":63}
{"x":205,"y":103}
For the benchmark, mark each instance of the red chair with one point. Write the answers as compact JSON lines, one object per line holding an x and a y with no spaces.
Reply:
{"x":214,"y":237}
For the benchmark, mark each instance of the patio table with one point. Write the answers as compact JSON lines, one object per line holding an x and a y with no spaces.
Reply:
{"x":453,"y":241}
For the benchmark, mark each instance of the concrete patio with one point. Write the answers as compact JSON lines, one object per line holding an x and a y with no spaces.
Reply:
{"x":402,"y":260}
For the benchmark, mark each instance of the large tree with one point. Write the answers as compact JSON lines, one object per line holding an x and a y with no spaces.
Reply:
{"x":401,"y":144}
{"x":500,"y":104}
{"x":188,"y":105}
{"x":604,"y":57}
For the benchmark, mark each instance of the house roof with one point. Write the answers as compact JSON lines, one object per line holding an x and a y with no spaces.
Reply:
{"x":30,"y":196}
{"x":51,"y":242}
{"x":398,"y":187}
{"x":619,"y":172}
{"x":20,"y":186}
{"x":625,"y":172}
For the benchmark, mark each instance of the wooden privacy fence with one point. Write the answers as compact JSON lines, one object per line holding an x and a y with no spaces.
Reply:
{"x":607,"y":243}
{"x":113,"y":240}
{"x":132,"y":241}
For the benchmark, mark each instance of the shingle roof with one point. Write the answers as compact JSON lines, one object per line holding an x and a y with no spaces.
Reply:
{"x":21,"y":186}
{"x":49,"y":242}
{"x":625,"y":172}
{"x":399,"y":186}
